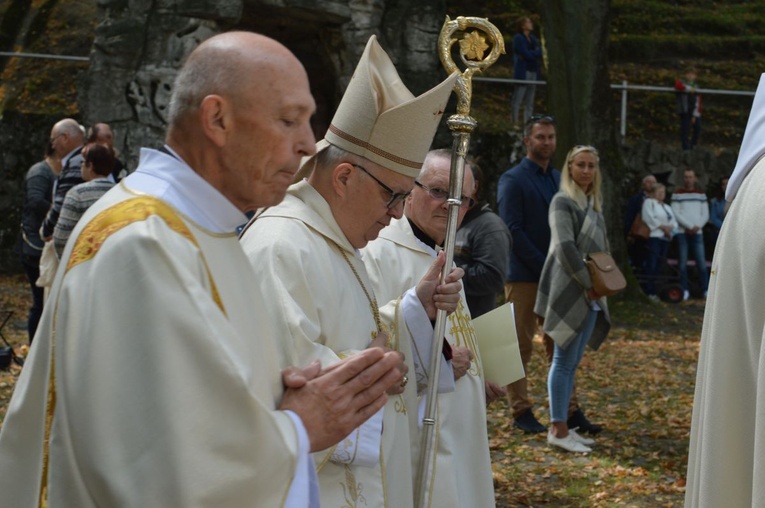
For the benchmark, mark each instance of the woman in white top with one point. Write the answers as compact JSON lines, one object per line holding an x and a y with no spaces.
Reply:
{"x":659,"y":218}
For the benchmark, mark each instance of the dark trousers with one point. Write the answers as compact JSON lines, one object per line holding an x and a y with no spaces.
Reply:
{"x":637,"y":250}
{"x":31,"y":266}
{"x":657,"y":250}
{"x":686,"y":125}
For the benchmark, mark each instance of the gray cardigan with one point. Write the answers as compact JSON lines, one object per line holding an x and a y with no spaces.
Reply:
{"x":77,"y":201}
{"x":562,"y":294}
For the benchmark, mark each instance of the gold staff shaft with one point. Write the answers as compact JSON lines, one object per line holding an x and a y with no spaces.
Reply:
{"x":472,"y":48}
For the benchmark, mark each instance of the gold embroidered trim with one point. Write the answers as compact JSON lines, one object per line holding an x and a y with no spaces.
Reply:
{"x":352,"y":490}
{"x":382,"y":473}
{"x":177,"y":212}
{"x":370,"y":295}
{"x":88,"y":244}
{"x":50,"y":407}
{"x":330,"y":452}
{"x":366,"y":146}
{"x":464,"y":335}
{"x":114,"y":218}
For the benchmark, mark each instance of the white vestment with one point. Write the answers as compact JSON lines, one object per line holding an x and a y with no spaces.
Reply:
{"x":303,"y":260}
{"x":396,"y":261}
{"x":166,"y":378}
{"x":726,"y":460}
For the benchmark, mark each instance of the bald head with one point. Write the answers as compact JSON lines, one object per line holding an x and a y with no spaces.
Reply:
{"x":240,"y":117}
{"x":226,"y":64}
{"x":101,"y":133}
{"x":65,"y":136}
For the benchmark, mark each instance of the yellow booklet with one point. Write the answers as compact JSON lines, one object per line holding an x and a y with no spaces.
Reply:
{"x":498,"y":344}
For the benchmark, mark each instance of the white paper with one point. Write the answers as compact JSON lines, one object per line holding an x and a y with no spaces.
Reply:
{"x":498,"y":343}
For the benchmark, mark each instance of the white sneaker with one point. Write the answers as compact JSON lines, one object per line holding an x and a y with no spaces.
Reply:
{"x":568,"y":443}
{"x":579,"y":438}
{"x":654,"y":298}
{"x":686,"y":295}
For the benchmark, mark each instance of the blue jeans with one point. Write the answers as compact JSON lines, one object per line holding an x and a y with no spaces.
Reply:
{"x":657,"y":249}
{"x":696,"y":243}
{"x":522,"y":92}
{"x":560,"y":381}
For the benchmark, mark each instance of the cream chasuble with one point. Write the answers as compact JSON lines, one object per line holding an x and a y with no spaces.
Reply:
{"x":319,"y":300}
{"x":726,"y":459}
{"x":158,"y":346}
{"x":396,"y":261}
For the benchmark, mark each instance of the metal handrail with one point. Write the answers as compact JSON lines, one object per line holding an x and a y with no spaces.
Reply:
{"x":44,"y":56}
{"x":621,"y":86}
{"x":624,"y":87}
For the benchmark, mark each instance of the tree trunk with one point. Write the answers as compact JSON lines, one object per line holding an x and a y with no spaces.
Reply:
{"x":575,"y":34}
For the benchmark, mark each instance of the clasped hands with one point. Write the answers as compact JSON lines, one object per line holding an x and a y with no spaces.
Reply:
{"x":333,"y":401}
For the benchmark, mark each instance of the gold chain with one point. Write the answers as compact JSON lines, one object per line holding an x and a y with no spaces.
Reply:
{"x":370,"y":296}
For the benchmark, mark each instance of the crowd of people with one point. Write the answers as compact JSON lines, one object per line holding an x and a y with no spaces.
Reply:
{"x":690,"y":220}
{"x":302,"y":333}
{"x":56,"y":192}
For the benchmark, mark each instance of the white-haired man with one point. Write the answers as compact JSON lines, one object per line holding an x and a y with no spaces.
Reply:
{"x":66,"y":139}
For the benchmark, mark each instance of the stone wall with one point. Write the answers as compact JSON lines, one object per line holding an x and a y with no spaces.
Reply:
{"x":140,"y":45}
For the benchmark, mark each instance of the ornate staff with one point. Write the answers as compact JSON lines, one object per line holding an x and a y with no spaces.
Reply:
{"x":473,"y":45}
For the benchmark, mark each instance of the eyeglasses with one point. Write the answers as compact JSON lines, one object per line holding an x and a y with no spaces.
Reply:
{"x":54,"y":138}
{"x":395,"y":197}
{"x":441,"y":195}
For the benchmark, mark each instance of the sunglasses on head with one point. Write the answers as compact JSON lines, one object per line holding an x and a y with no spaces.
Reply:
{"x":540,"y":118}
{"x":586,"y":147}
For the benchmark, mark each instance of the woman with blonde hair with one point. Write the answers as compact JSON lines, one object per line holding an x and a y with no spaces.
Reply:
{"x":574,"y":314}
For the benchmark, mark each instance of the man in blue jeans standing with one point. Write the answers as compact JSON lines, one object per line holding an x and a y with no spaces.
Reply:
{"x":691,"y":210}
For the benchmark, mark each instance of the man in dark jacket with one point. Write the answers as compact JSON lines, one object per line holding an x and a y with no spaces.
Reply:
{"x":38,"y":190}
{"x":482,"y":249}
{"x":524,"y":194}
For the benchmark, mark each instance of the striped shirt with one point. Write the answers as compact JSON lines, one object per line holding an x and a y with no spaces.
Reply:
{"x":77,"y":201}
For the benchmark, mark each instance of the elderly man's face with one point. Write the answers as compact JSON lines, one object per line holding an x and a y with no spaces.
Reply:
{"x":273,"y":133}
{"x":366,"y":213}
{"x":105,"y":135}
{"x":427,"y":212}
